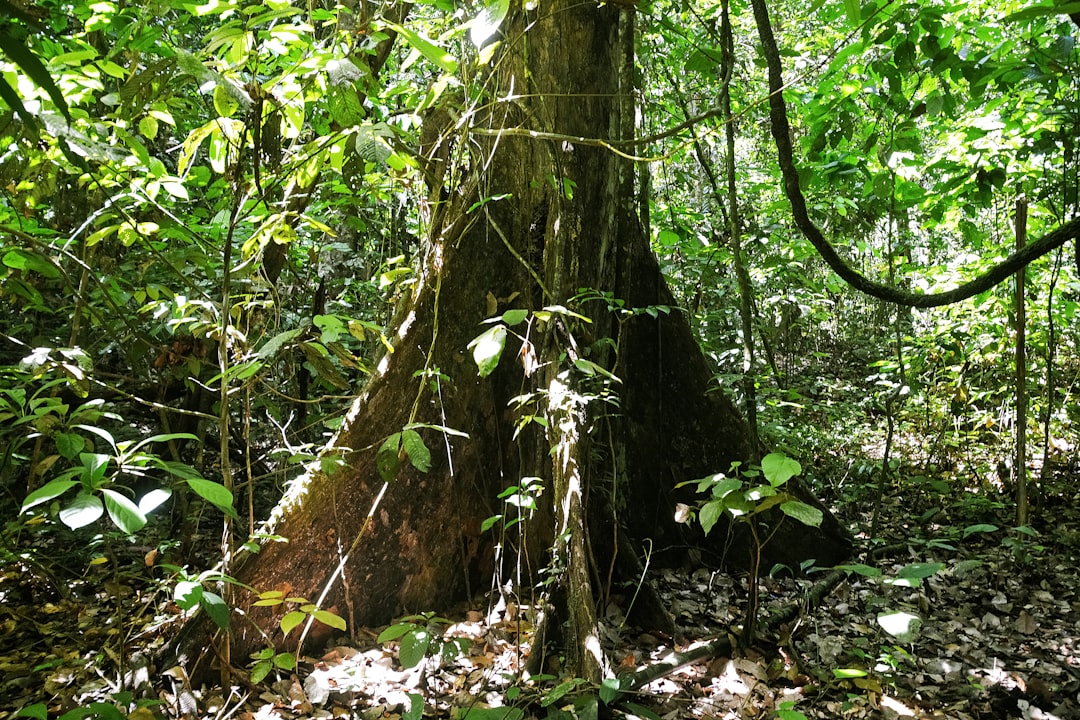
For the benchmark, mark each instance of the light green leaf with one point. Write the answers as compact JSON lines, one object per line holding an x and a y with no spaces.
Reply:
{"x":901,"y":625}
{"x":20,"y":259}
{"x":153,"y":500}
{"x":328,"y":618}
{"x":285,"y":661}
{"x":488,"y":21}
{"x":426,"y":47}
{"x":806,"y":514}
{"x":487,"y":349}
{"x":860,"y":569}
{"x":291,"y":620}
{"x":82,"y":511}
{"x":124,"y":513}
{"x":414,"y":647}
{"x":779,"y":468}
{"x":514,"y":317}
{"x":394,"y":632}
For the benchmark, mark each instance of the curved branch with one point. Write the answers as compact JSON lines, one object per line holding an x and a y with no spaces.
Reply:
{"x":781,"y":131}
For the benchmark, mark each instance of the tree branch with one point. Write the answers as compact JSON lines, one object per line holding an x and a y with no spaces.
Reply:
{"x":781,"y":132}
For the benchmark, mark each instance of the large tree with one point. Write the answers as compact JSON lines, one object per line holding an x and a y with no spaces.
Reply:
{"x":602,"y":402}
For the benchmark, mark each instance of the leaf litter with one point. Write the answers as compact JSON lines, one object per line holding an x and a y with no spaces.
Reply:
{"x":970,"y":622}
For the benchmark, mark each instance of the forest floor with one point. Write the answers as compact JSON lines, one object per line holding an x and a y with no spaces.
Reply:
{"x":966,"y":618}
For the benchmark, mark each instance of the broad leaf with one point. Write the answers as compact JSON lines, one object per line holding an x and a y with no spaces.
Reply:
{"x":487,"y":349}
{"x":416,"y":450}
{"x":414,"y":647}
{"x":47,"y":492}
{"x":328,"y":618}
{"x":82,"y":511}
{"x":124,"y":513}
{"x":215,"y":607}
{"x":426,"y":47}
{"x":291,"y":620}
{"x":214,"y":493}
{"x":779,"y":468}
{"x":806,"y":514}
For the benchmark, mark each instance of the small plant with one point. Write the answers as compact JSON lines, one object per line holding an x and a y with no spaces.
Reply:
{"x":745,"y":501}
{"x":267,"y":659}
{"x":99,"y":481}
{"x":419,"y":636}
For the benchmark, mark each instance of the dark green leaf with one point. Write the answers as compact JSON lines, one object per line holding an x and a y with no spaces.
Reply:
{"x":29,"y":63}
{"x":214,"y":493}
{"x":215,"y":607}
{"x":416,"y":450}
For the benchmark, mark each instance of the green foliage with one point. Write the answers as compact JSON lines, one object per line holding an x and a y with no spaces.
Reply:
{"x":744,"y":501}
{"x":419,"y":637}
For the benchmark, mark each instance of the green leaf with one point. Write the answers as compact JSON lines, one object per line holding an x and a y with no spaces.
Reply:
{"x":416,"y":450}
{"x":82,"y":511}
{"x":901,"y":625}
{"x":37,"y":711}
{"x":426,"y":47}
{"x":514,"y":317}
{"x":187,"y":594}
{"x":29,"y":63}
{"x":919,"y":570}
{"x":848,"y":673}
{"x":414,"y":647}
{"x":285,"y":661}
{"x":710,"y":514}
{"x":980,"y":528}
{"x":70,"y":444}
{"x":153,"y":500}
{"x":416,"y":707}
{"x":492,"y":713}
{"x":19,"y":259}
{"x":291,"y":620}
{"x":854,"y":12}
{"x":388,"y":458}
{"x":609,"y":689}
{"x":215,"y":607}
{"x":488,"y":21}
{"x":642,"y":711}
{"x":394,"y":632}
{"x":260,"y":670}
{"x":214,"y":493}
{"x":328,"y":618}
{"x":860,"y":569}
{"x":779,"y":468}
{"x":559,"y":691}
{"x":47,"y":492}
{"x":124,"y":513}
{"x":487,"y":349}
{"x":806,"y":514}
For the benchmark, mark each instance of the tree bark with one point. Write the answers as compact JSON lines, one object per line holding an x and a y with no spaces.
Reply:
{"x":527,"y":224}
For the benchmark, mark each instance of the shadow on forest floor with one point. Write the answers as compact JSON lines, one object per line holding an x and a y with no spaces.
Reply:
{"x":968,"y":619}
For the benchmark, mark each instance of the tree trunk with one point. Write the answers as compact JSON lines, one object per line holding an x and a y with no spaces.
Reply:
{"x":557,"y":217}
